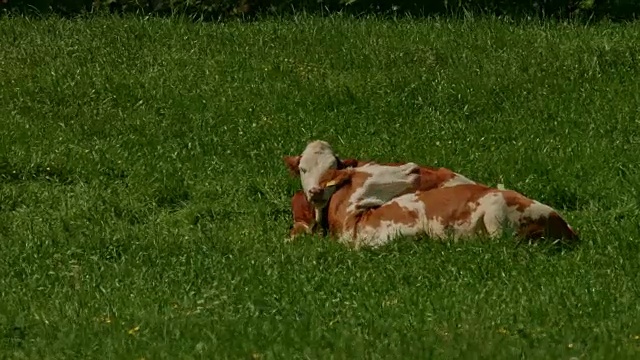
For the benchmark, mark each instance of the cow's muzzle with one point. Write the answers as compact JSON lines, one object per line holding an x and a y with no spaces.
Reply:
{"x":316,"y":194}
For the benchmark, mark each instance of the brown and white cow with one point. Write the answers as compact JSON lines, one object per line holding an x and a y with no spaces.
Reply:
{"x":318,"y":157}
{"x":358,"y":214}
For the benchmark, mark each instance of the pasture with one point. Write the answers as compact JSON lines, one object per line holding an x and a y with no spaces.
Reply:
{"x":144,"y":202}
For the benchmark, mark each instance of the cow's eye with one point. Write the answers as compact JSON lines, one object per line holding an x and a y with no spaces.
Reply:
{"x":303,"y":170}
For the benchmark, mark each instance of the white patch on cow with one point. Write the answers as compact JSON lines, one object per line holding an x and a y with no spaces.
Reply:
{"x":384,"y":184}
{"x":537,"y":210}
{"x":436,"y":228}
{"x":492,"y":211}
{"x":499,"y":216}
{"x":412,"y":202}
{"x":457,"y":180}
{"x":317,"y":158}
{"x":386,"y":232}
{"x":389,"y":230}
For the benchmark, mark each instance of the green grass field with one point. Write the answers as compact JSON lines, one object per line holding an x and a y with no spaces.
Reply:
{"x":144,"y":202}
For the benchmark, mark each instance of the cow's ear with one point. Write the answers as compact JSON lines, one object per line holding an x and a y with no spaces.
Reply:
{"x":347,"y":163}
{"x":337,"y":178}
{"x":293,"y":164}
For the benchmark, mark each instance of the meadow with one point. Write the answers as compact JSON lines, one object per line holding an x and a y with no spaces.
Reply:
{"x":144,"y":202}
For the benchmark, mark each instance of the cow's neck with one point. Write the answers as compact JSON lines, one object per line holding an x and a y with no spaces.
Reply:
{"x":321,"y":215}
{"x":337,"y":210}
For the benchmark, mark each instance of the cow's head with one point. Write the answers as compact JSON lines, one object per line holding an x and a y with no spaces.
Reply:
{"x":316,"y":159}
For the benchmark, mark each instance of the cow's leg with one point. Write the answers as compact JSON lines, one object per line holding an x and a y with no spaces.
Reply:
{"x":298,"y":228}
{"x":493,"y":225}
{"x":493,"y":214}
{"x":303,"y":215}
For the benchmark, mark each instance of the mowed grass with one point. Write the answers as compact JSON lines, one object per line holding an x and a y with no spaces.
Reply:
{"x":144,"y":202}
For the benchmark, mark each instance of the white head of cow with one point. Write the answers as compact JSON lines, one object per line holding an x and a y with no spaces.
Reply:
{"x":316,"y":159}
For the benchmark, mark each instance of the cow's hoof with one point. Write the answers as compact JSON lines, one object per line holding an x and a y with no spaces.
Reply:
{"x":298,"y":229}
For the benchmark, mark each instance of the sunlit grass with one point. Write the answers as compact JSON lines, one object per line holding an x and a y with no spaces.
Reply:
{"x":144,"y":202}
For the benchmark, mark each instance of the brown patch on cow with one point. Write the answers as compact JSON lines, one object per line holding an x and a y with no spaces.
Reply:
{"x":359,"y":178}
{"x":453,"y":204}
{"x":337,"y":210}
{"x":392,"y":212}
{"x":302,"y":209}
{"x":531,"y":229}
{"x":293,"y":164}
{"x":552,"y":227}
{"x":433,"y":178}
{"x":516,"y":200}
{"x":303,"y":214}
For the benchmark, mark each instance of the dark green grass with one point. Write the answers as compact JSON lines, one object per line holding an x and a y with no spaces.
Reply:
{"x":141,"y":185}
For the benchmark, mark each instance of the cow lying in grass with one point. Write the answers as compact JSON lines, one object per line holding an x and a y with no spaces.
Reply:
{"x":358,"y":212}
{"x":318,"y":157}
{"x":372,"y":204}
